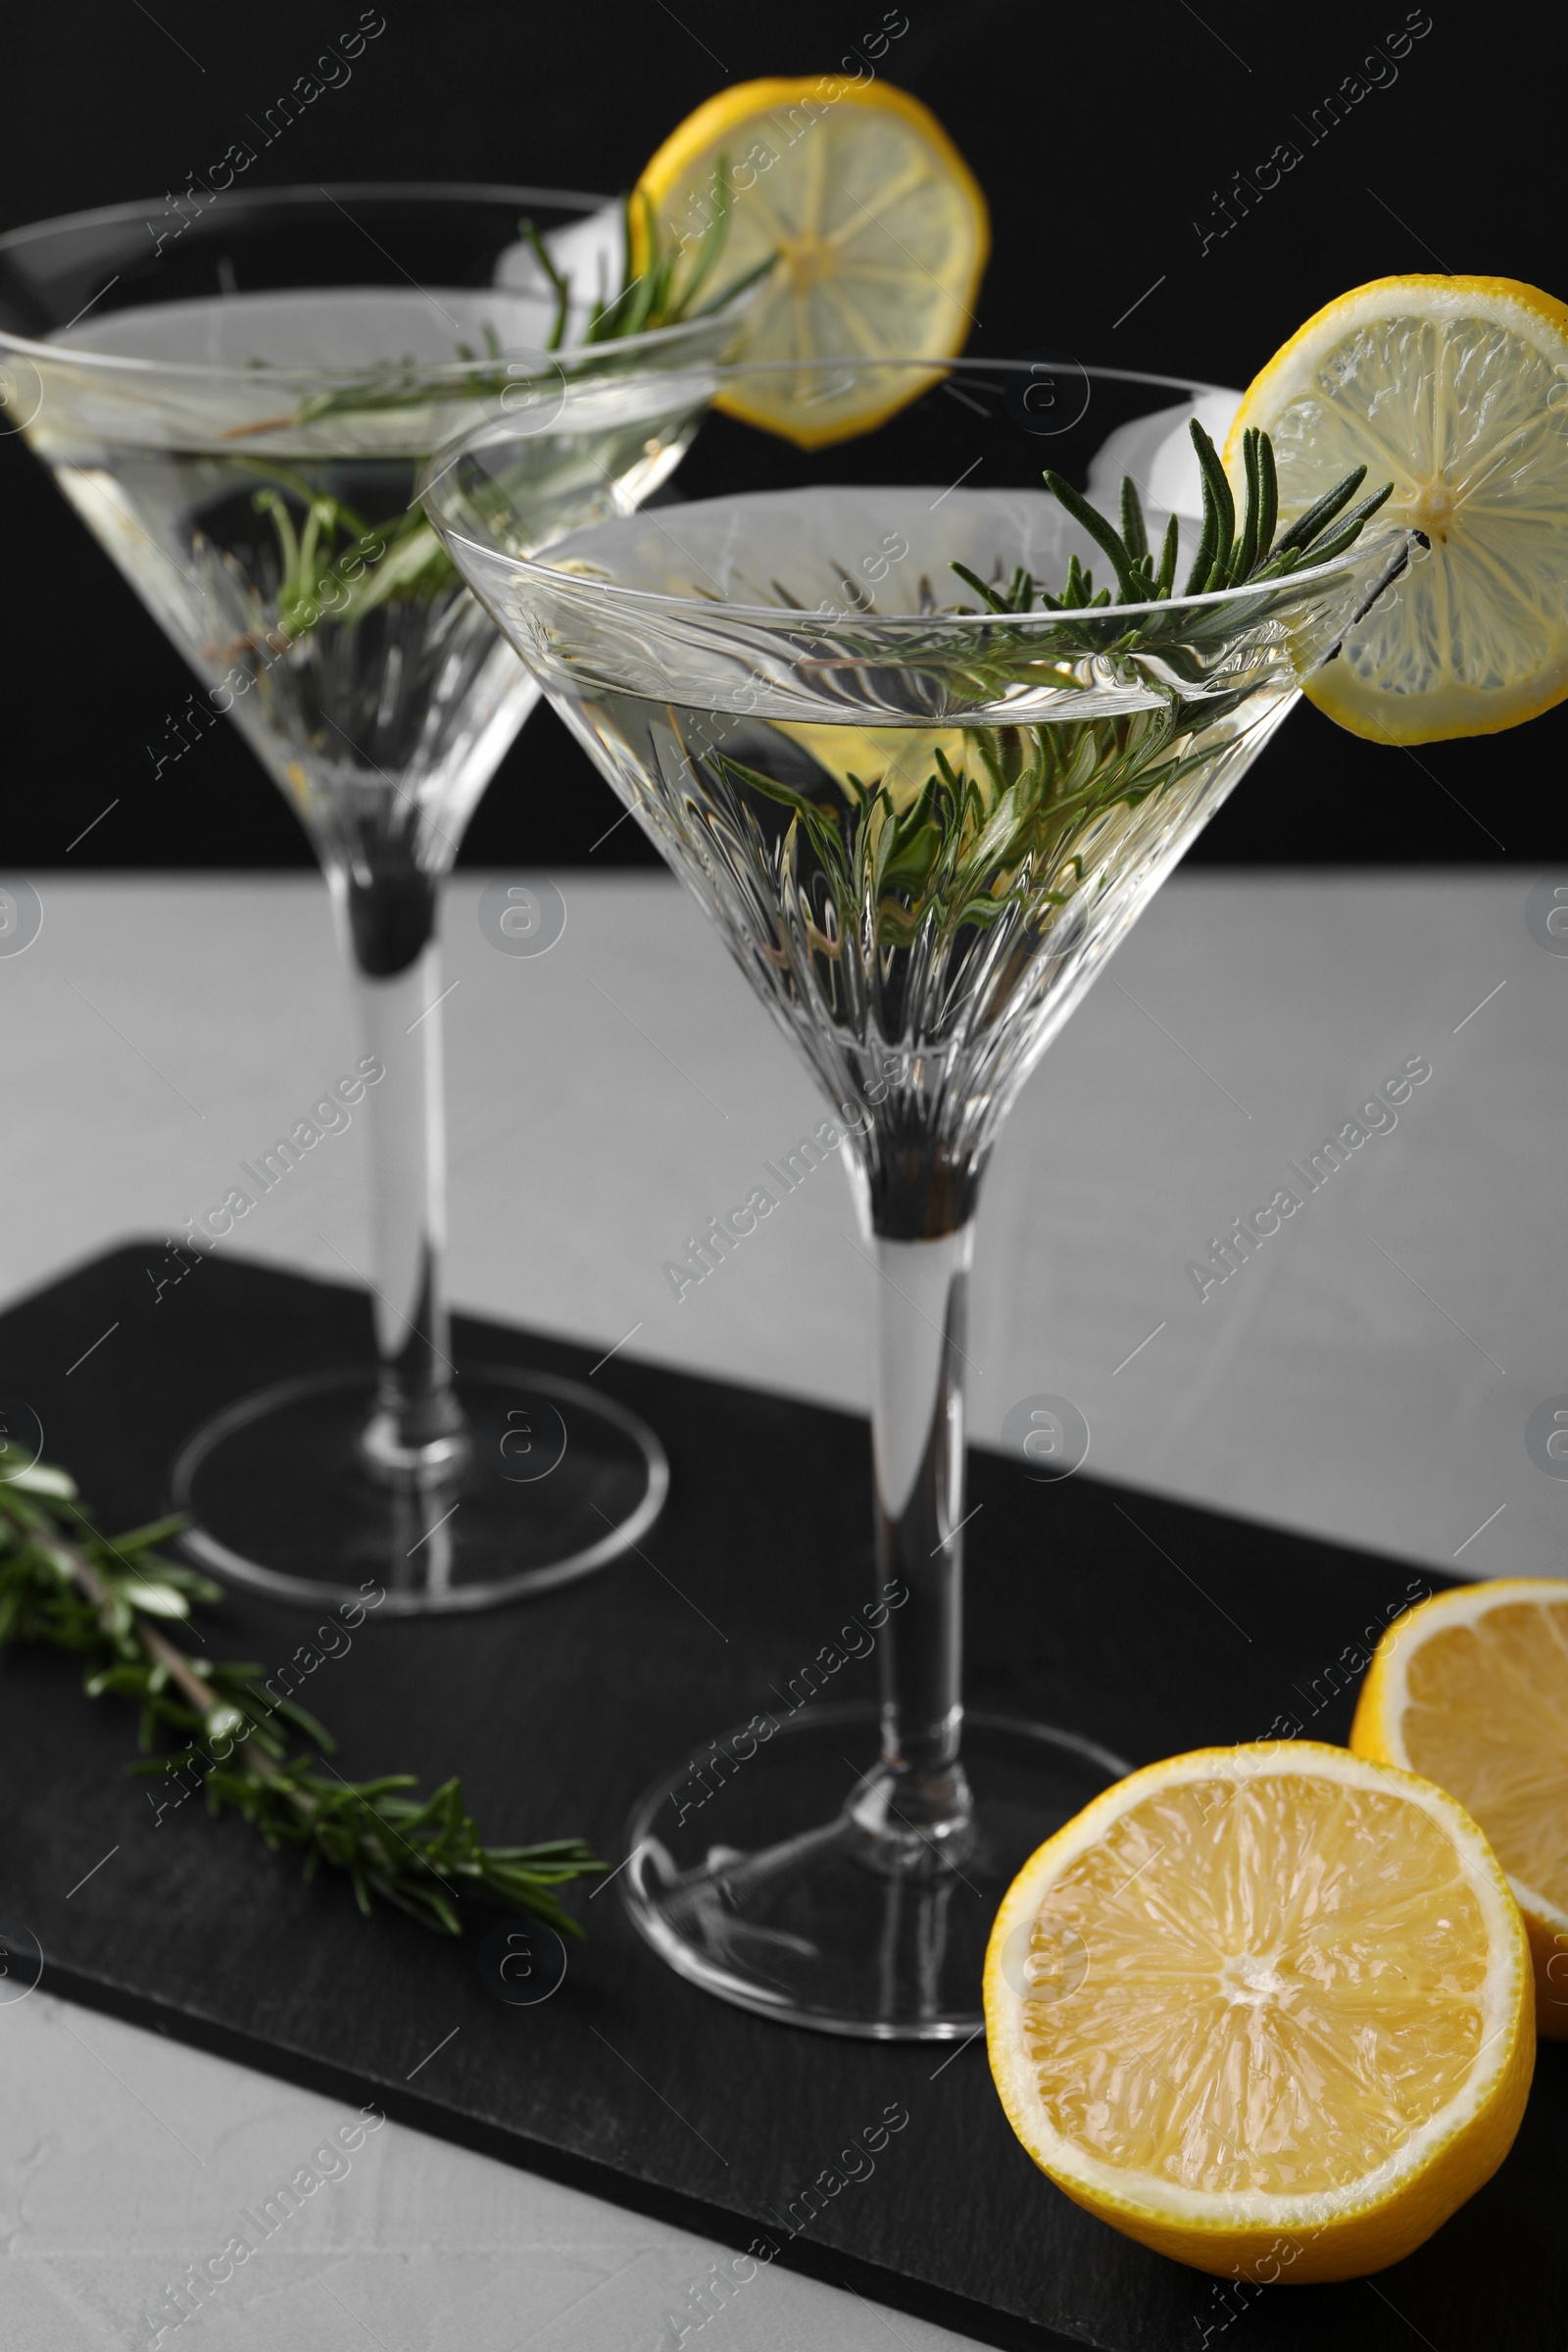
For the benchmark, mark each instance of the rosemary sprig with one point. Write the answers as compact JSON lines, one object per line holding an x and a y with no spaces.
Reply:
{"x":1001,"y":830}
{"x":658,"y":295}
{"x":335,"y":566}
{"x":62,"y":1582}
{"x":560,"y":284}
{"x":1007,"y":834}
{"x":321,"y":580}
{"x":1225,"y":559}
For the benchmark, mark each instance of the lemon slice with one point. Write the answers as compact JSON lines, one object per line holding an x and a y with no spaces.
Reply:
{"x":1456,"y":390}
{"x":879,"y":227}
{"x":893,"y":760}
{"x":1471,"y":1689}
{"x":1267,"y":2009}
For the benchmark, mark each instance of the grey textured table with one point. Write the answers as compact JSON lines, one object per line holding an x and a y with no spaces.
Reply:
{"x":1368,"y":1374}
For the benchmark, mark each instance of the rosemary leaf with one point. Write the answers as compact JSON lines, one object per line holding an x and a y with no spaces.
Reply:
{"x":1099,"y":529}
{"x":1135,"y":534}
{"x":1203,"y":560}
{"x":1167,"y":561}
{"x":1268,"y":497}
{"x":1246,"y":553}
{"x":562,"y":286}
{"x":1220,"y":490}
{"x":714,"y":236}
{"x":974,"y":580}
{"x":1316,"y":519}
{"x":1348,"y":528}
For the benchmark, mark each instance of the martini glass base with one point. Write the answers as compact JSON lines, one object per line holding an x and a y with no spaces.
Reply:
{"x":556,"y":1483}
{"x":750,"y":1877}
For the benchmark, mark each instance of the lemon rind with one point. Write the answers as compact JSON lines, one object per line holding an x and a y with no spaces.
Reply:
{"x":1378,"y":1733}
{"x":1509,"y":301}
{"x":1353,"y":716}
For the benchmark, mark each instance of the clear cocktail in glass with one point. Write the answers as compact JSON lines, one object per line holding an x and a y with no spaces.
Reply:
{"x":236,"y":395}
{"x":921,"y":825}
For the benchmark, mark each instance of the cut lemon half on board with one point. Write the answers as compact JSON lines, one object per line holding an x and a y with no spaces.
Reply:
{"x":1456,"y":390}
{"x":879,"y":227}
{"x":1471,"y":1689}
{"x":1267,"y":2009}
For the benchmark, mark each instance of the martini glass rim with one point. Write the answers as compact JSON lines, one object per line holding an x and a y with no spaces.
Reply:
{"x":1391,"y":542}
{"x":437,"y":373}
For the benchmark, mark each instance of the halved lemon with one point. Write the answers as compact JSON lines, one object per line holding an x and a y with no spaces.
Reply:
{"x":1267,"y":2009}
{"x":1456,"y":390}
{"x":1471,"y":1689}
{"x":879,"y":225}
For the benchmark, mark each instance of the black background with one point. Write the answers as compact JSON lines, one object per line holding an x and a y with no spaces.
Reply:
{"x":1101,"y":135}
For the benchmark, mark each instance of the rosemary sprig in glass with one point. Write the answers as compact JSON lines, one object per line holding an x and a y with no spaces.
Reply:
{"x":1006,"y":827}
{"x":320,"y":579}
{"x":62,"y":1582}
{"x":334,"y":565}
{"x":660,"y":294}
{"x":1225,"y":559}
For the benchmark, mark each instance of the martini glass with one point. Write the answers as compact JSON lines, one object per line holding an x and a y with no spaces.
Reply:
{"x":236,"y":395}
{"x":921,"y":831}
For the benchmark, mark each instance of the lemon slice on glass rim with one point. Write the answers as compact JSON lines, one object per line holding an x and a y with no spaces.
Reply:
{"x":1267,"y":2009}
{"x":879,"y":227}
{"x":1471,"y":1689}
{"x":1456,"y":390}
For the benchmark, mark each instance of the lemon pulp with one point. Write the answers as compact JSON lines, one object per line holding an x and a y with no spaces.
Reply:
{"x":1284,"y":2023}
{"x":878,"y":227}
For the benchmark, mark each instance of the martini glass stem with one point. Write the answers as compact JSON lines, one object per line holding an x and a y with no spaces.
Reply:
{"x":414,"y":1433}
{"x":916,"y":1802}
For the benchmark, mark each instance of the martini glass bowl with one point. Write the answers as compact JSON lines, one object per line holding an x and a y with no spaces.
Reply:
{"x":235,"y":394}
{"x":921,"y":825}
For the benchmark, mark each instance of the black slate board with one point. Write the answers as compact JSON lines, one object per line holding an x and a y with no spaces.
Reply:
{"x":1147,"y":1625}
